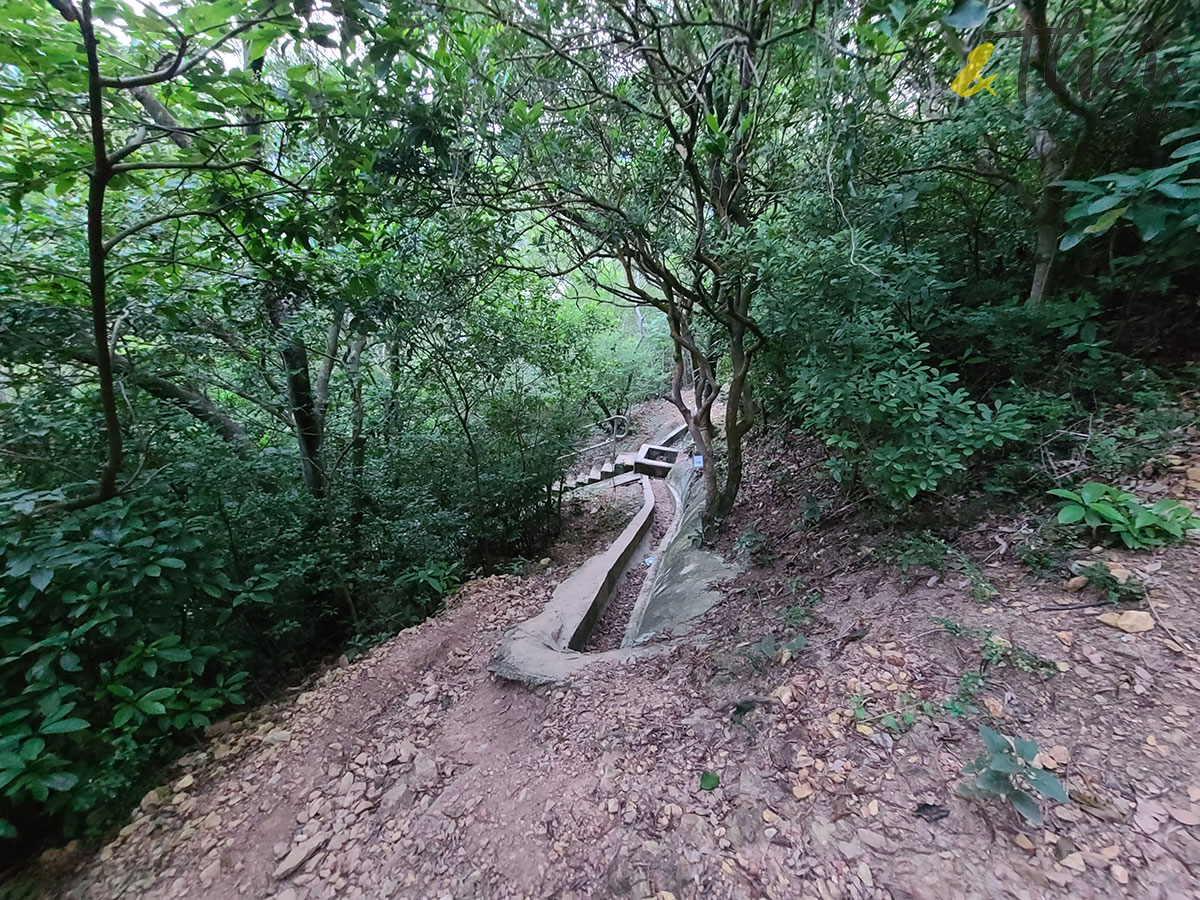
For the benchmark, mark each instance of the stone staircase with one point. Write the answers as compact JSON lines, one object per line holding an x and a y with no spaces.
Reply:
{"x":649,"y":459}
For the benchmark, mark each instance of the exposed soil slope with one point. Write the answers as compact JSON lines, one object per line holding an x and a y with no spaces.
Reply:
{"x":412,"y":773}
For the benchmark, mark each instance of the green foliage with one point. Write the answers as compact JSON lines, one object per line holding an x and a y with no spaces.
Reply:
{"x":1043,"y":553}
{"x":970,"y":684}
{"x":632,"y":362}
{"x":1107,"y":510}
{"x":1005,"y":771}
{"x":763,"y":651}
{"x":1114,"y":590}
{"x":926,"y":549}
{"x":119,"y":631}
{"x":919,"y":549}
{"x":858,"y":376}
{"x":901,"y":419}
{"x":898,"y":719}
{"x":797,"y":616}
{"x":1162,"y":203}
{"x":995,"y":650}
{"x":438,"y":578}
{"x":750,"y":542}
{"x":353,"y":339}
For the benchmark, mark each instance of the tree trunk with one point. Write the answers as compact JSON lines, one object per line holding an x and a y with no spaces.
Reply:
{"x":358,"y":441}
{"x":304,"y":415}
{"x":98,"y":276}
{"x":740,"y":414}
{"x":187,"y":397}
{"x":1045,"y":248}
{"x":1049,"y":213}
{"x":301,"y":399}
{"x":161,"y":115}
{"x":325,"y":372}
{"x":1047,"y":217}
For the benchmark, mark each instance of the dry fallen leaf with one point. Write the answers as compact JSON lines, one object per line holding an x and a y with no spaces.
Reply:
{"x":1135,"y":620}
{"x":994,"y":707}
{"x":1118,"y":571}
{"x":1184,"y":816}
{"x":1042,"y":761}
{"x":1149,"y":816}
{"x":1132,"y":621}
{"x":802,"y":790}
{"x":1074,"y":861}
{"x":1119,"y":873}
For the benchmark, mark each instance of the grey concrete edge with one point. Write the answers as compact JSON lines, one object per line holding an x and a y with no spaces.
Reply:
{"x":538,"y":650}
{"x":680,"y":482}
{"x":677,"y":590}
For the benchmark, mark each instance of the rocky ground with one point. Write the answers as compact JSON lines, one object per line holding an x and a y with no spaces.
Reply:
{"x":730,"y":766}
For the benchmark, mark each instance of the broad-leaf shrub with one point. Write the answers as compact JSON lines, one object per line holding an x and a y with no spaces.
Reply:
{"x":1163,"y":202}
{"x":846,"y":360}
{"x":1108,"y":510}
{"x":902,"y":423}
{"x":117,"y":632}
{"x":1006,"y":770}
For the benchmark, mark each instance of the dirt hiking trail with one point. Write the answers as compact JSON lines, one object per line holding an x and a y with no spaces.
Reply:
{"x":412,"y":772}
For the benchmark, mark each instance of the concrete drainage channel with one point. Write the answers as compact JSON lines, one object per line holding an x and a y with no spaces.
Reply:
{"x":549,"y":647}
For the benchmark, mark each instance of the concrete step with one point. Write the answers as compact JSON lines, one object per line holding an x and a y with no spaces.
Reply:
{"x":624,"y":463}
{"x":653,"y":467}
{"x":654,"y":459}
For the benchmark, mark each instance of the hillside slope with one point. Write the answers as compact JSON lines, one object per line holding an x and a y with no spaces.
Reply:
{"x":412,"y":773}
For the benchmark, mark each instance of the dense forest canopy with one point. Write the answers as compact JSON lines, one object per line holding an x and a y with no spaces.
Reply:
{"x":303,"y":305}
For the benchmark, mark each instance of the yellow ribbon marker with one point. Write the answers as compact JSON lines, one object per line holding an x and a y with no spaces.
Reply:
{"x":968,"y":83}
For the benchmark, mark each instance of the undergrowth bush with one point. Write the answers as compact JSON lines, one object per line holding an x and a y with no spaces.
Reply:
{"x":1110,"y":511}
{"x":119,"y":630}
{"x":918,"y":387}
{"x":898,"y":423}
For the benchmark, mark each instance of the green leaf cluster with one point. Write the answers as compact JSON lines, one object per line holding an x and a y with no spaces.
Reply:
{"x":1109,"y":511}
{"x":1006,"y":771}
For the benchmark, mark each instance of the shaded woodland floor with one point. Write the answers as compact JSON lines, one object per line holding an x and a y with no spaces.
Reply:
{"x":411,"y":772}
